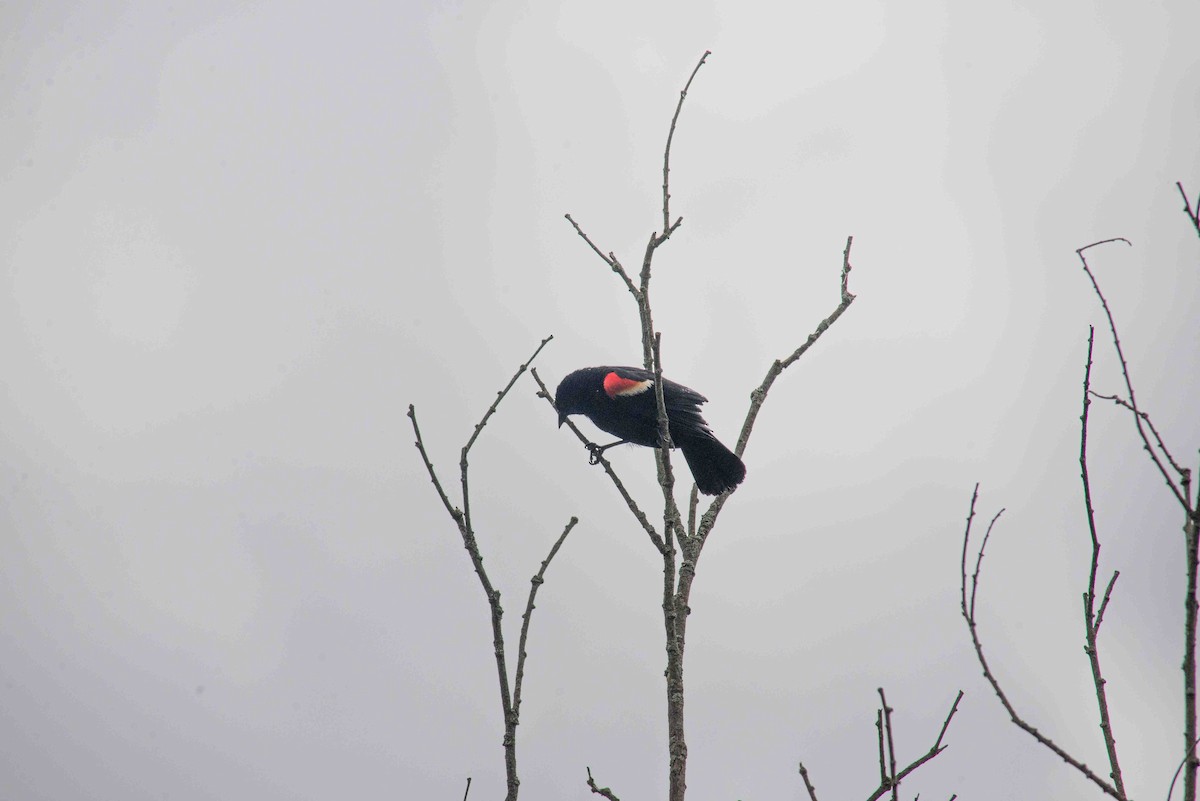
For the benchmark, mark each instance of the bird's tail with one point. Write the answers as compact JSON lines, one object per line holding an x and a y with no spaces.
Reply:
{"x":715,"y":467}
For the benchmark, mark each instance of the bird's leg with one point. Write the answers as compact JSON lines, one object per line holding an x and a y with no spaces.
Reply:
{"x":597,"y":450}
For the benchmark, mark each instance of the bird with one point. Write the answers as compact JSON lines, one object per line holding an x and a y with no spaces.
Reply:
{"x":621,"y":402}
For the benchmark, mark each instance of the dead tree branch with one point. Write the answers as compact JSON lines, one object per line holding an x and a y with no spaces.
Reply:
{"x":1133,"y":404}
{"x":1091,"y":618}
{"x":889,"y":776}
{"x":1192,"y":214}
{"x":600,"y":791}
{"x":968,"y":613}
{"x":510,"y":696}
{"x":1182,"y":491}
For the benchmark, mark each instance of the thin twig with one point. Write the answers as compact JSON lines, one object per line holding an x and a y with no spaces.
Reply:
{"x":693,"y":504}
{"x":1092,"y":620}
{"x":759,"y":396}
{"x":668,"y":229}
{"x":886,"y":713}
{"x":468,"y":790}
{"x":1184,"y":473}
{"x":538,"y":579}
{"x":933,"y":751}
{"x":462,"y":519}
{"x":890,"y":779}
{"x":454,"y":511}
{"x":601,"y":791}
{"x":611,"y":259}
{"x":968,"y":613}
{"x":1112,"y":326}
{"x":808,"y":785}
{"x":462,"y":461}
{"x":1182,"y":762}
{"x":883,"y":772}
{"x":1104,"y":603}
{"x":1194,"y":216}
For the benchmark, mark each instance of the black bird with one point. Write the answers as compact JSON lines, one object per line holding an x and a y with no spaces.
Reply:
{"x":620,"y":401}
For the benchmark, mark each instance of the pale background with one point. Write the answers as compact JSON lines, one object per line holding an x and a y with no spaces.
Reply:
{"x":239,"y":239}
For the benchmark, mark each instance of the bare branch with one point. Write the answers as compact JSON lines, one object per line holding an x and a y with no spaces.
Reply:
{"x":885,"y":712}
{"x":759,"y":395}
{"x":1092,"y":620}
{"x":668,"y":228}
{"x":502,"y":393}
{"x":611,"y":260}
{"x":538,"y":579}
{"x":601,"y":791}
{"x":1194,"y":216}
{"x":462,"y":461}
{"x":462,"y":519}
{"x":1104,"y":603}
{"x":812,"y":791}
{"x":468,"y":790}
{"x":893,"y":782}
{"x":454,"y":511}
{"x":968,"y":613}
{"x":1112,"y":326}
{"x":1184,"y":473}
{"x":889,"y":777}
{"x":883,"y":771}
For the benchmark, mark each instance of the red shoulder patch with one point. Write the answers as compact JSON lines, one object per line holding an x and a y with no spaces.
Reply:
{"x":616,"y":386}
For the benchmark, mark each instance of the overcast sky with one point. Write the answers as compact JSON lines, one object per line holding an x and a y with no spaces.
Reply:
{"x":238,"y":239}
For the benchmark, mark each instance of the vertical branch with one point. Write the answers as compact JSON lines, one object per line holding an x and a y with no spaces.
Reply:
{"x":674,"y":608}
{"x":886,"y":713}
{"x":1091,"y":618}
{"x":667,"y":227}
{"x":1190,"y":530}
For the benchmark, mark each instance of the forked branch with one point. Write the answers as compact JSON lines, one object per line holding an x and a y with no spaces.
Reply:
{"x":967,"y":601}
{"x":1138,"y":416}
{"x":510,"y":697}
{"x":889,"y":776}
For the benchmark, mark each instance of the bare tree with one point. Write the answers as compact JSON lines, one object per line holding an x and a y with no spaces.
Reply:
{"x":680,"y":544}
{"x":510,"y":694}
{"x":1179,"y":481}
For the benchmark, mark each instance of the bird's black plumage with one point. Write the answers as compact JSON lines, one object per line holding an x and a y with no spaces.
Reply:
{"x":620,"y":401}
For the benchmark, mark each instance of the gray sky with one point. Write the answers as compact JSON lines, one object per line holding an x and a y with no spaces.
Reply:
{"x":236,"y":243}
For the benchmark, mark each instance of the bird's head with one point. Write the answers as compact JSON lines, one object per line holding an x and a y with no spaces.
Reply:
{"x":577,"y":393}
